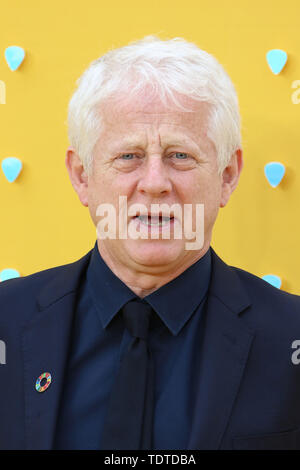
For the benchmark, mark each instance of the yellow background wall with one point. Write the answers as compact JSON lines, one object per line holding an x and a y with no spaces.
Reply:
{"x":43,"y":223}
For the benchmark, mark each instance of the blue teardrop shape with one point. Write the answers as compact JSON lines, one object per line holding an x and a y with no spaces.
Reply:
{"x":273,"y":280}
{"x":8,"y":274}
{"x":276,"y":59}
{"x":14,"y":56}
{"x":11,"y":167}
{"x":274,"y":172}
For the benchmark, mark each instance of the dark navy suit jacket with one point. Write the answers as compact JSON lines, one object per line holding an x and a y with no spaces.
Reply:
{"x":249,"y":388}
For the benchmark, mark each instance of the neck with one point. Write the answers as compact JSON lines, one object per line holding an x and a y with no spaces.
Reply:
{"x":141,"y":282}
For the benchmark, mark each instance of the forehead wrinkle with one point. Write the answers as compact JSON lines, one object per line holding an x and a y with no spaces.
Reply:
{"x":137,"y":130}
{"x":163,"y":142}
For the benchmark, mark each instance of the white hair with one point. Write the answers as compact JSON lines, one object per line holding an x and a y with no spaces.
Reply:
{"x":169,"y":67}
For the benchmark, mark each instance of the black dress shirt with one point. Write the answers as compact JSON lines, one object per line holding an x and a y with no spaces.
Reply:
{"x":99,"y":340}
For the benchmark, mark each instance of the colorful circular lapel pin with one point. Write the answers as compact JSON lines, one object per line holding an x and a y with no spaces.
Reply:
{"x":39,"y":380}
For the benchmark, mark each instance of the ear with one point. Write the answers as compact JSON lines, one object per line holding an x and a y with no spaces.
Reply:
{"x":230,"y":176}
{"x":77,"y":174}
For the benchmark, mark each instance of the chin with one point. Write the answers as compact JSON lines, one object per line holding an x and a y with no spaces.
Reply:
{"x":156,"y":253}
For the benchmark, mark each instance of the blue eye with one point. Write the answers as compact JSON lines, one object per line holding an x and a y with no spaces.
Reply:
{"x":126,"y":155}
{"x":181,"y":153}
{"x":179,"y":156}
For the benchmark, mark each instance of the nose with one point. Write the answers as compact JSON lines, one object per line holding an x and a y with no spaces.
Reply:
{"x":155,"y":178}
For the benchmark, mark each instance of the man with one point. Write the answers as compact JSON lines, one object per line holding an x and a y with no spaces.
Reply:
{"x":150,"y":341}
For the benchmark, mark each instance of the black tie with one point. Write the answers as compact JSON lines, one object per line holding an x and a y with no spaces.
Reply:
{"x":128,"y":423}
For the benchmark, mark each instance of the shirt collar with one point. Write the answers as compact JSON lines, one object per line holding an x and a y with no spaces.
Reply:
{"x":174,"y":302}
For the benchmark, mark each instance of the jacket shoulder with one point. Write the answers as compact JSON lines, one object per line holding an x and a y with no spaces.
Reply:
{"x":258,"y":286}
{"x":18,"y":296}
{"x":272,"y":310}
{"x":13,"y":287}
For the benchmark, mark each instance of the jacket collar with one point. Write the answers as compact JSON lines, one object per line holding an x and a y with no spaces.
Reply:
{"x":224,"y":351}
{"x":45,"y":343}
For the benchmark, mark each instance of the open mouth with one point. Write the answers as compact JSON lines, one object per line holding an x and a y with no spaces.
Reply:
{"x":154,"y":220}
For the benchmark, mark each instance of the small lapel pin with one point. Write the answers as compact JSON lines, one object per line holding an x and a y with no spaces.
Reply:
{"x":46,"y":379}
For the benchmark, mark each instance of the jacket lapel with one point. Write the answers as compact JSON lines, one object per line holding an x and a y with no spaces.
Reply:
{"x":225,"y":350}
{"x":45,"y":347}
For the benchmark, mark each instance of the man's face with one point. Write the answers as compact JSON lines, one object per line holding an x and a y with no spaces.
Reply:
{"x":154,"y":155}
